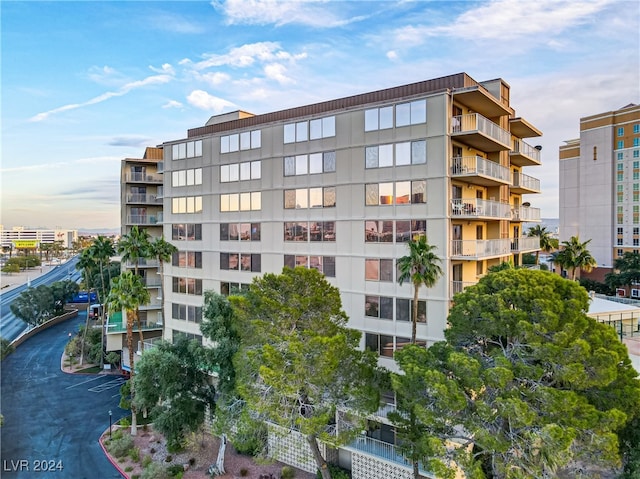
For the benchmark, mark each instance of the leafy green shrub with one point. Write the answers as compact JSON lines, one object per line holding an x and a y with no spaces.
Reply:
{"x":120,"y":447}
{"x":250,"y":437}
{"x":175,"y":470}
{"x":128,"y":469}
{"x":117,"y":434}
{"x":168,"y":458}
{"x":336,"y":472}
{"x":146,"y":460}
{"x":154,"y":471}
{"x":134,"y":454}
{"x":125,"y":422}
{"x":287,"y":472}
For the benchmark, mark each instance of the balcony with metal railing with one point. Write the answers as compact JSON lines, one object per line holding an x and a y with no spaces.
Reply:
{"x":115,"y":324}
{"x":480,"y":249}
{"x":477,"y":208}
{"x":144,"y":220}
{"x":459,"y":286}
{"x":479,"y":132}
{"x":140,"y":198}
{"x":383,"y":451}
{"x":525,"y":213}
{"x":143,"y":263}
{"x":479,"y":171}
{"x":143,"y":178}
{"x":524,"y":184}
{"x":523,"y":154}
{"x":525,"y":244}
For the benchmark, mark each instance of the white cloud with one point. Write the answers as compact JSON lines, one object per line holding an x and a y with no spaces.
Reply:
{"x":245,"y":56}
{"x":263,"y":12}
{"x":392,"y":55}
{"x":172,"y":104}
{"x":214,"y":78}
{"x":61,"y":164}
{"x":166,"y":68}
{"x":508,"y":20}
{"x":276,"y":71}
{"x":205,"y":101}
{"x":123,"y":90}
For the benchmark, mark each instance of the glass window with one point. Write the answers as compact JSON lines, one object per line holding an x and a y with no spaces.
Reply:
{"x":386,"y":117}
{"x":620,"y":144}
{"x":371,"y":157}
{"x":636,"y":153}
{"x":621,"y":131}
{"x":289,"y":199}
{"x":315,"y":163}
{"x":418,"y":191}
{"x":636,"y":142}
{"x":372,"y":306}
{"x":224,"y":144}
{"x":234,"y":202}
{"x":234,"y":142}
{"x":620,"y":156}
{"x":329,"y":160}
{"x":403,"y":154}
{"x":386,"y":308}
{"x":403,"y":309}
{"x":636,"y":128}
{"x":290,"y":133}
{"x":256,"y":139}
{"x":372,"y":269}
{"x":301,"y":131}
{"x":378,"y":231}
{"x":245,"y":140}
{"x":329,"y":197}
{"x":418,"y":152}
{"x":315,"y":197}
{"x":198,"y":176}
{"x":403,"y":192}
{"x":198,"y":151}
{"x":385,"y":156}
{"x":315,"y":129}
{"x":385,"y":193}
{"x":403,"y":114}
{"x":302,"y":198}
{"x":289,"y":166}
{"x":301,"y":165}
{"x":256,"y":201}
{"x":328,"y":127}
{"x":418,"y":112}
{"x":190,"y":149}
{"x":234,"y":172}
{"x":371,"y":120}
{"x":224,"y":173}
{"x":245,"y":171}
{"x":256,"y":170}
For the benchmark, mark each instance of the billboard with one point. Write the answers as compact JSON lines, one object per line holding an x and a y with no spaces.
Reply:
{"x":32,"y":244}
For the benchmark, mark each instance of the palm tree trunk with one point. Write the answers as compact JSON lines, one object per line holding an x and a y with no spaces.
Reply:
{"x":414,"y":315}
{"x":131,"y":365}
{"x":161,"y":269}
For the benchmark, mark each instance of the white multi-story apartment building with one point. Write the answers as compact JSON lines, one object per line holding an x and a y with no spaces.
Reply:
{"x":342,"y":186}
{"x":600,"y":185}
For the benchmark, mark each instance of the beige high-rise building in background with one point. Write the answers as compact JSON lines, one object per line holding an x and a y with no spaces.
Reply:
{"x":600,"y":186}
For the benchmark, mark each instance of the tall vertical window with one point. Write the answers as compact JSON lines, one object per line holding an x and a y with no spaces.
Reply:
{"x":620,"y":144}
{"x":621,"y":131}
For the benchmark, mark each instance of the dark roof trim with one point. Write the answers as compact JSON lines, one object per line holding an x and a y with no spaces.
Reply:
{"x":458,"y":80}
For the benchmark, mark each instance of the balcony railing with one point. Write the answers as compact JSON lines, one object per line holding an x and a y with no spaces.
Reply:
{"x":143,"y":178}
{"x":143,"y":263}
{"x":472,"y":166}
{"x":459,"y":286}
{"x":144,"y":219}
{"x":119,"y":327}
{"x":384,"y":451}
{"x":525,"y":213}
{"x":479,"y":208}
{"x":523,"y":154}
{"x":525,"y":243}
{"x":476,"y":249}
{"x":525,"y":183}
{"x":485,"y":134}
{"x":143,"y":198}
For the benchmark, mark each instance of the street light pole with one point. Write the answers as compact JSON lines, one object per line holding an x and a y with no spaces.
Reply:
{"x":110,"y":413}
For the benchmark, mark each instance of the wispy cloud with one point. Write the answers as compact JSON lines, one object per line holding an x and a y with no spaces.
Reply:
{"x":205,"y":101}
{"x":123,"y":90}
{"x":508,"y":20}
{"x":213,"y":78}
{"x":172,"y":104}
{"x":61,"y":164}
{"x":317,"y":14}
{"x":129,"y":140}
{"x":245,"y":56}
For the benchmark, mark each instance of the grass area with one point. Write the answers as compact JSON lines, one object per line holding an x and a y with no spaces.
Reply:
{"x":92,"y":369}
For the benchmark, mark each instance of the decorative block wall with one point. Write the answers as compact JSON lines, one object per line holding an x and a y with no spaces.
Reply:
{"x":367,"y":467}
{"x":291,"y":447}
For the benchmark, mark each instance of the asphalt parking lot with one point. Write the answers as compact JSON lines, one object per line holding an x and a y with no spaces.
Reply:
{"x":52,"y":420}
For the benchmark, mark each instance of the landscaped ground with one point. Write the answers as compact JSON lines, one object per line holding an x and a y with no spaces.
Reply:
{"x":201,"y":451}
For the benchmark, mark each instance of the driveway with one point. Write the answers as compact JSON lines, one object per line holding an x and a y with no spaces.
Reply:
{"x":52,"y":420}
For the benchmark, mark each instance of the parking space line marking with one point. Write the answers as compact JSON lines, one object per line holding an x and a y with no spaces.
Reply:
{"x":83,"y":382}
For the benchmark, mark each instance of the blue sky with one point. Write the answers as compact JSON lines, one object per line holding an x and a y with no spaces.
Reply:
{"x":85,"y":84}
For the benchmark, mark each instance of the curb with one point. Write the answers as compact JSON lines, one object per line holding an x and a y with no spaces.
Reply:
{"x":106,"y":453}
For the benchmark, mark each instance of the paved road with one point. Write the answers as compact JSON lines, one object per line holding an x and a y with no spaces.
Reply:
{"x":52,"y":418}
{"x":10,"y":326}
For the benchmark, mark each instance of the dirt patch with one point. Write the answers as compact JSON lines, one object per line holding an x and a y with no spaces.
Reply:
{"x":200,"y":452}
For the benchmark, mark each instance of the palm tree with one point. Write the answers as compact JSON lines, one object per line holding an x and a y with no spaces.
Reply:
{"x":575,"y":256}
{"x":135,"y":246}
{"x":102,"y":250}
{"x":421,"y":267}
{"x":163,"y":251}
{"x":128,"y":292}
{"x":87,"y":264}
{"x":547,"y":242}
{"x":627,"y":270}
